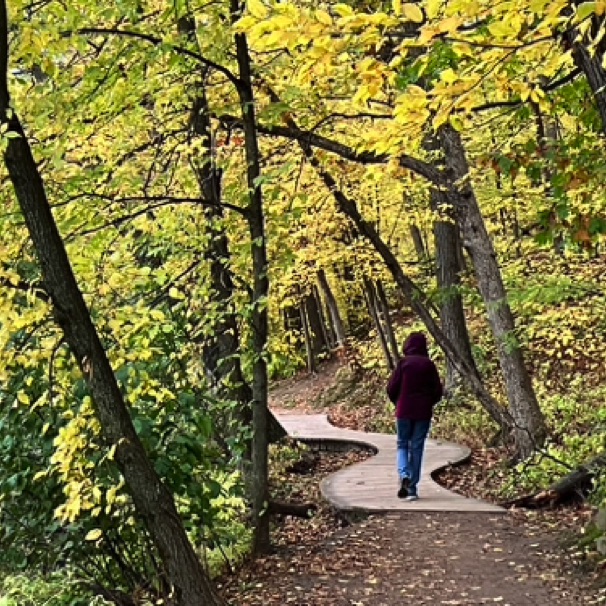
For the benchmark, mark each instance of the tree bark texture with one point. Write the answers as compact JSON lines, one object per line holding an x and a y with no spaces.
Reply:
{"x":529,"y":424}
{"x":153,"y":501}
{"x":417,"y":240}
{"x":591,"y":66}
{"x":452,"y":315}
{"x":333,"y":308}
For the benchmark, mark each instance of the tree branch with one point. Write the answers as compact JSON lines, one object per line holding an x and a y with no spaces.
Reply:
{"x":416,"y":165}
{"x":157,"y":42}
{"x":515,"y":102}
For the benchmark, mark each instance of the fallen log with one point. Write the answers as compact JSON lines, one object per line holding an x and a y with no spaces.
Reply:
{"x":299,"y":510}
{"x":573,"y":487}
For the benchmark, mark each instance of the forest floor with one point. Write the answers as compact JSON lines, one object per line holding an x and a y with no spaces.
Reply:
{"x":522,"y":558}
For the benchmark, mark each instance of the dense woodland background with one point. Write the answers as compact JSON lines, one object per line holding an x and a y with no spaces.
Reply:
{"x":201,"y":197}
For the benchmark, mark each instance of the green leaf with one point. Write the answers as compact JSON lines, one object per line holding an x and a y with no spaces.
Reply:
{"x":584,"y":10}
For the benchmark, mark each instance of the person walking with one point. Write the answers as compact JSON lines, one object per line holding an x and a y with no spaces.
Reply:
{"x":415,"y":388}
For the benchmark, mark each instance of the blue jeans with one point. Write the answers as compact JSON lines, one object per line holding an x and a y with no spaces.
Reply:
{"x":411,"y":442}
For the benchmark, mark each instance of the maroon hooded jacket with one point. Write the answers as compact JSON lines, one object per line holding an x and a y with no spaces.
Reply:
{"x":415,"y":386}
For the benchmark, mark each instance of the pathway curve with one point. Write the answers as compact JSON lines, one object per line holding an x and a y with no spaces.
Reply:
{"x":371,"y":486}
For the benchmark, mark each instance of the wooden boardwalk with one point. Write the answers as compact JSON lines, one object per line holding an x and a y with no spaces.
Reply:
{"x":371,"y":486}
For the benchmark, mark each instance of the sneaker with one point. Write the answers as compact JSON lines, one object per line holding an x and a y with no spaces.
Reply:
{"x":403,"y":492}
{"x":411,"y":497}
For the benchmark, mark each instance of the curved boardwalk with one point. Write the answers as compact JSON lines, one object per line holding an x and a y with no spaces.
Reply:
{"x":371,"y":486}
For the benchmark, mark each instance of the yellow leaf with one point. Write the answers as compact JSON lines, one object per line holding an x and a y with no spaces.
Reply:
{"x":449,"y":76}
{"x":413,"y":13}
{"x":343,"y":10}
{"x":93,"y":535}
{"x":257,"y":9}
{"x":323,"y":17}
{"x":397,"y":7}
{"x":23,"y":397}
{"x":433,"y":8}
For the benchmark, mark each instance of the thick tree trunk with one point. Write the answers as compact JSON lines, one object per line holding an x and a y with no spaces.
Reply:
{"x":153,"y":501}
{"x":259,"y":316}
{"x":452,"y":315}
{"x":387,"y":324}
{"x":371,"y":303}
{"x":333,"y":308}
{"x":530,"y":430}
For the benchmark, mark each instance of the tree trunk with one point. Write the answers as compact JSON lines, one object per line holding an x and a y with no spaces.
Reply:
{"x":327,"y":334}
{"x":315,"y":325}
{"x":259,"y":316}
{"x":387,"y":324}
{"x":355,"y":302}
{"x":333,"y":308}
{"x":591,"y":66}
{"x":373,"y":309}
{"x":452,"y":315}
{"x":529,"y":430}
{"x":153,"y":501}
{"x":417,"y":240}
{"x":309,"y":349}
{"x":220,"y":352}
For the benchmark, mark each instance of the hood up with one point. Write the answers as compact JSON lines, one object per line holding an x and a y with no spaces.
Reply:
{"x":416,"y":345}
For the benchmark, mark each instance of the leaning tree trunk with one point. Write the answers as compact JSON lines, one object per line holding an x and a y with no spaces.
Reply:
{"x":333,"y":308}
{"x":590,"y":63}
{"x":452,"y":316}
{"x":387,"y":324}
{"x":371,"y":302}
{"x":259,"y":317}
{"x":152,"y":500}
{"x":530,"y":430}
{"x":575,"y":486}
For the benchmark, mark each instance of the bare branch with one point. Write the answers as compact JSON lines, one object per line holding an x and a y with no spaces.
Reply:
{"x":157,"y":42}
